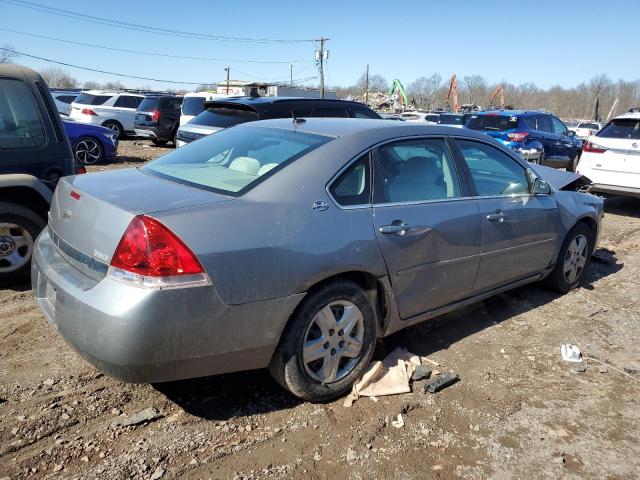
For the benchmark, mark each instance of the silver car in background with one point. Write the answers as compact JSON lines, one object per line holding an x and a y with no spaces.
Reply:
{"x":295,"y":244}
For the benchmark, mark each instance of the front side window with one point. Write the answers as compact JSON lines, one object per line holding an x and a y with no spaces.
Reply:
{"x":20,"y":122}
{"x":353,"y":186}
{"x":234,"y":159}
{"x":418,"y":170}
{"x":494,"y":173}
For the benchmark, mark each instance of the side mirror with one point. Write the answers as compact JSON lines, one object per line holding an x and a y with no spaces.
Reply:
{"x":571,"y":133}
{"x":540,"y":187}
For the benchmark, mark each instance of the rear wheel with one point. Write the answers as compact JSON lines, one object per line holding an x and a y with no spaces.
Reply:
{"x":573,"y":259}
{"x":158,"y":143}
{"x":88,"y":151}
{"x":116,"y":127}
{"x":19,"y":227}
{"x":575,"y":161}
{"x":327,"y":344}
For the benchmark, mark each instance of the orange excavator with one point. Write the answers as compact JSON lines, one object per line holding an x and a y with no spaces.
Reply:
{"x":453,"y":92}
{"x":499,"y":90}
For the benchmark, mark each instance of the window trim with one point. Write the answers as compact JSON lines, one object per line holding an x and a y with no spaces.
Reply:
{"x":367,"y":151}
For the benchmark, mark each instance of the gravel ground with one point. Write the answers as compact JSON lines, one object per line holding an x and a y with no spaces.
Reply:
{"x":518,"y":412}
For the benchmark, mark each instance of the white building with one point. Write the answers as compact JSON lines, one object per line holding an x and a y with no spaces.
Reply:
{"x":243,"y":88}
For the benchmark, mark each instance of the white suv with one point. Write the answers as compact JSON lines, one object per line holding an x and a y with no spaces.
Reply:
{"x":611,"y":157}
{"x":114,"y":110}
{"x":63,"y":100}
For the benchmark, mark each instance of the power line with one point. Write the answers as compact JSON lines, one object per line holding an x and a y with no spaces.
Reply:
{"x":107,"y":72}
{"x":141,"y":52}
{"x":145,"y":28}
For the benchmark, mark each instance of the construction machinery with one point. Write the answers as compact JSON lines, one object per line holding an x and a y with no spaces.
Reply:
{"x":496,"y":92}
{"x":452,"y":93}
{"x":396,"y":86}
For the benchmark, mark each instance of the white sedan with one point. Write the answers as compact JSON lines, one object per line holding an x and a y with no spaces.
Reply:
{"x":611,"y":158}
{"x":586,"y":129}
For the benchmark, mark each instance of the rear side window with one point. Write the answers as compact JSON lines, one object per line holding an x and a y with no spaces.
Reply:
{"x":127,"y":101}
{"x":493,"y":122}
{"x":88,"y":99}
{"x":544,"y":123}
{"x":148,"y":104}
{"x":192,"y":105}
{"x":531,"y":122}
{"x":170,"y":103}
{"x":224,"y":117}
{"x":362,"y":113}
{"x":330,"y":112}
{"x":66,"y":98}
{"x":353,"y":186}
{"x":622,"y":128}
{"x":20,"y":121}
{"x":451,"y":120}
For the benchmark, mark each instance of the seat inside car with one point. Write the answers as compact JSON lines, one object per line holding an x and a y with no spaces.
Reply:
{"x":418,"y":179}
{"x":247,"y":165}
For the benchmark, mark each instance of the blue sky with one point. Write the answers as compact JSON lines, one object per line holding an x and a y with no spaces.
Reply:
{"x":544,"y":42}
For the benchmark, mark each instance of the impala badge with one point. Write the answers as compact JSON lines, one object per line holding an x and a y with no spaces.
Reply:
{"x":66,"y":215}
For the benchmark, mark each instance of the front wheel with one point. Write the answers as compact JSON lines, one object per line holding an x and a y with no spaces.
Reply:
{"x":19,"y":227}
{"x":575,"y":161}
{"x":573,"y":259}
{"x":327,"y":344}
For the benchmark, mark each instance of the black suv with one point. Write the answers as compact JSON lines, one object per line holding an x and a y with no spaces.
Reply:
{"x":158,"y":118}
{"x":219,"y":114}
{"x":34,"y":154}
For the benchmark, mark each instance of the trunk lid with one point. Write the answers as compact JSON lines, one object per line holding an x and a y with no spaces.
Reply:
{"x":90,"y":213}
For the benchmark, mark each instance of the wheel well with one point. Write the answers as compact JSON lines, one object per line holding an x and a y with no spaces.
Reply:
{"x":370,"y":284}
{"x":113,"y":121}
{"x":591,"y":225}
{"x":27,"y":197}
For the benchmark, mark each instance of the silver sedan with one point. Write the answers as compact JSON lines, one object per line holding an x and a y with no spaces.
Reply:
{"x":295,"y":244}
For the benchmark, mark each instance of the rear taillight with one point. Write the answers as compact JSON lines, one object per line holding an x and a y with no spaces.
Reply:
{"x":88,"y":111}
{"x":80,"y":169}
{"x":156,"y":115}
{"x":593,"y":148}
{"x":517,"y":136}
{"x":151,"y":255}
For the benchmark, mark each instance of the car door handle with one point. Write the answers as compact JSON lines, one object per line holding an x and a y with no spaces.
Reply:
{"x":496,"y":217}
{"x":402,"y":229}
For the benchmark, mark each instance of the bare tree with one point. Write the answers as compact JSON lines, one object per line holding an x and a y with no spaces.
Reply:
{"x":377,"y":83}
{"x":476,"y":88}
{"x":7,"y":53}
{"x":203,"y":87}
{"x":58,"y":78}
{"x":114,"y":85}
{"x":425,"y":89}
{"x":91,"y":85}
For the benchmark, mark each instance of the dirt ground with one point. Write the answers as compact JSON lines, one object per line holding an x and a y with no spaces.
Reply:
{"x":518,"y":411}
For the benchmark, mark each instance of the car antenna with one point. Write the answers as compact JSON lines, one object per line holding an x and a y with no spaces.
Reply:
{"x":298,"y":121}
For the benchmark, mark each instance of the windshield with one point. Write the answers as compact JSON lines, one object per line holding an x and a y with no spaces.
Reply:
{"x":492,"y":122}
{"x":591,"y":126}
{"x":451,"y":119}
{"x":192,"y":105}
{"x":622,"y":128}
{"x":233,"y":160}
{"x":88,"y":99}
{"x":224,"y":117}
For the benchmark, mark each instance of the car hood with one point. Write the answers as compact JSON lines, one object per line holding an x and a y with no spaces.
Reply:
{"x":560,"y":179}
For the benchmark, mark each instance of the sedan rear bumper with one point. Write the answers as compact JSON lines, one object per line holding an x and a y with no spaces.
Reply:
{"x":150,"y":335}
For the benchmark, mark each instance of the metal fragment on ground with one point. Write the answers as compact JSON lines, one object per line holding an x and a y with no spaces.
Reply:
{"x":442,"y":381}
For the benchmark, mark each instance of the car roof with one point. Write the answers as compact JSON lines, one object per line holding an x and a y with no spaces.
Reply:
{"x":340,"y":127}
{"x":112,"y":93}
{"x":511,"y":113}
{"x":631,"y":115}
{"x":268,"y":100}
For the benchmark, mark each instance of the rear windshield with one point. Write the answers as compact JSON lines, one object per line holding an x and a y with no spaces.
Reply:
{"x":224,"y":117}
{"x":451,"y":119}
{"x":622,"y":128}
{"x":233,"y":160}
{"x":591,"y":126}
{"x":88,"y":99}
{"x":492,"y":122}
{"x":192,"y":105}
{"x":148,"y":104}
{"x":170,"y":103}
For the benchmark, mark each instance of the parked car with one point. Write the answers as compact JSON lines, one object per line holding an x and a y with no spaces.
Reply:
{"x":586,"y":129}
{"x":611,"y":157}
{"x":158,"y":118}
{"x":254,"y":247}
{"x":63,"y":99}
{"x":391,"y":116}
{"x":90,"y":143}
{"x":220,"y":114}
{"x":538,"y":137}
{"x":114,"y":110}
{"x":193,"y":104}
{"x":34,"y":154}
{"x":420,"y":116}
{"x":455,"y":120}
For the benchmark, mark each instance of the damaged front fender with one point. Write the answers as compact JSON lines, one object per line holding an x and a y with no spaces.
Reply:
{"x":560,"y":179}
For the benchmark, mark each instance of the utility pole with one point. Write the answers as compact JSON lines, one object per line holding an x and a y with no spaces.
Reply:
{"x":366,"y":87}
{"x":227,"y":70}
{"x":291,"y":73}
{"x":321,"y":56}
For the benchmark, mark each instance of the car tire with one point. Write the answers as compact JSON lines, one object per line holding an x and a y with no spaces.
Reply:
{"x":158,"y":143}
{"x":19,"y":228}
{"x":334,"y":358}
{"x":88,"y":151}
{"x":573,"y":260}
{"x":116,"y":127}
{"x":540,"y":159}
{"x":574,"y":161}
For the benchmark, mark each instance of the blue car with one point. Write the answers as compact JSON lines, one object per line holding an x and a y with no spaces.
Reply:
{"x":538,"y":137}
{"x":91,"y":143}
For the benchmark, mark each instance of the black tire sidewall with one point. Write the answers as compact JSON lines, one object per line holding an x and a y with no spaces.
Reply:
{"x":14,"y":213}
{"x":556,"y":279}
{"x":287,"y":366}
{"x":93,"y":140}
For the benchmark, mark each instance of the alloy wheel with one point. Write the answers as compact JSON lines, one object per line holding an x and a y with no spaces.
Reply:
{"x":575,"y":259}
{"x":88,"y":151}
{"x":115,"y":128}
{"x":333,"y":342}
{"x":16,"y":247}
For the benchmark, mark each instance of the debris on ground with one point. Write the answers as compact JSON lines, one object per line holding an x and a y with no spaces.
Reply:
{"x":633,"y":370}
{"x":570,"y":353}
{"x":604,"y":255}
{"x":146,"y":415}
{"x":580,"y":369}
{"x":398,"y":422}
{"x":422,"y":372}
{"x":441,"y":381}
{"x":387,"y":377}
